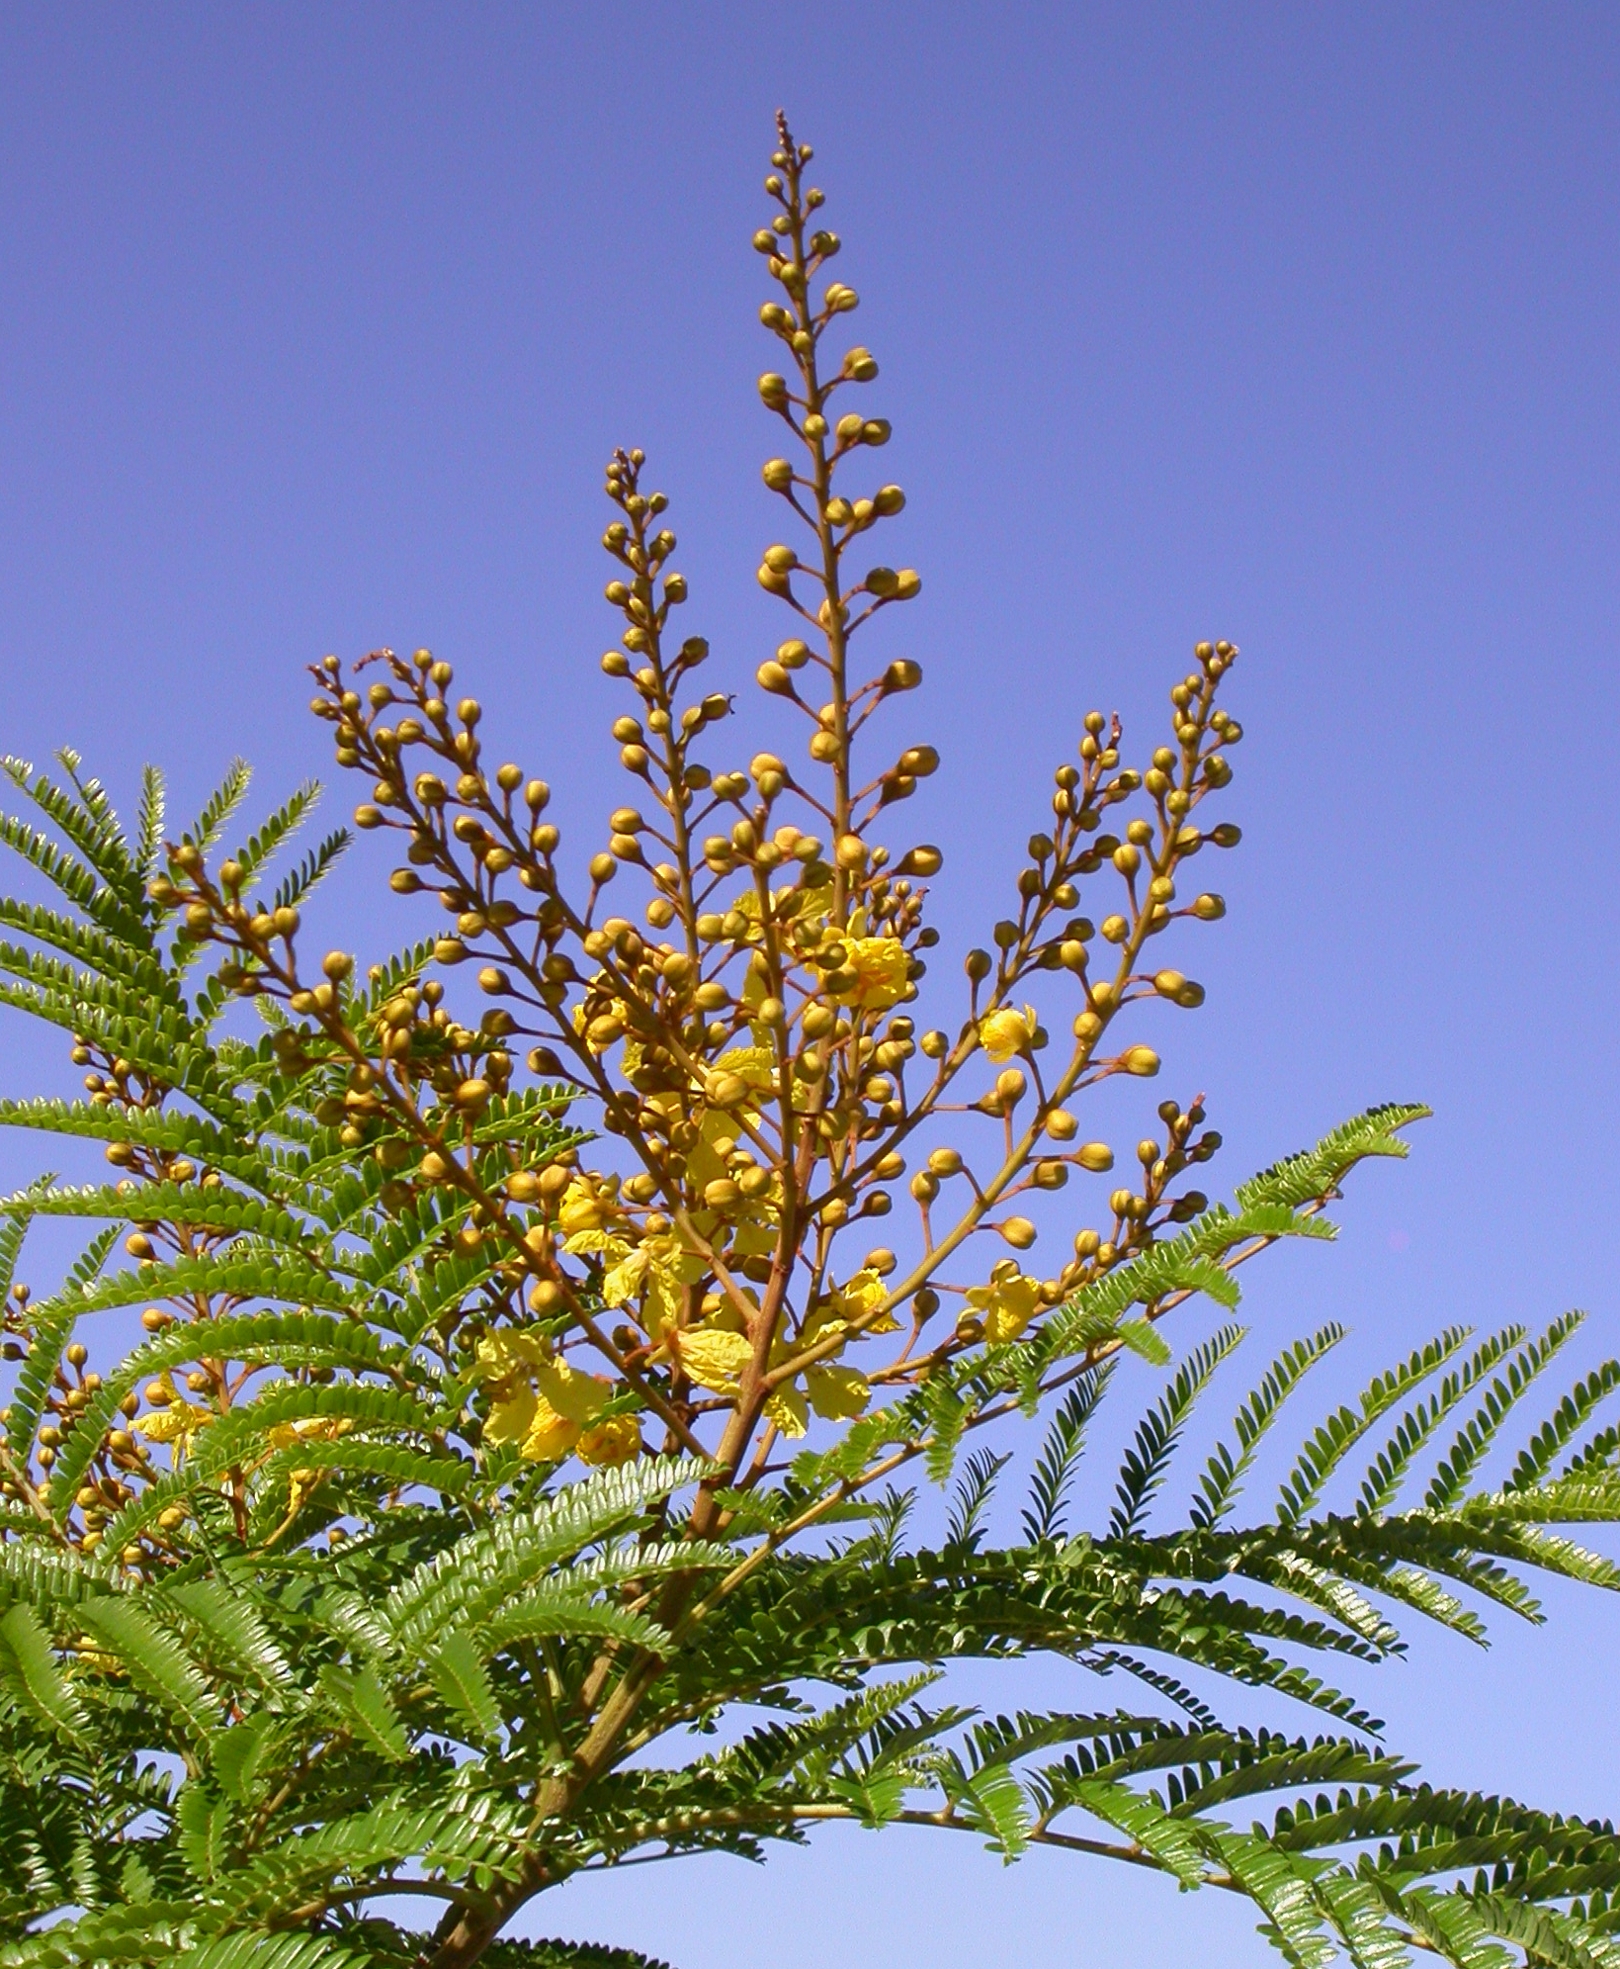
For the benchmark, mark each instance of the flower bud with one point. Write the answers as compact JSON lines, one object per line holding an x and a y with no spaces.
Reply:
{"x":1095,"y":1156}
{"x":924,"y":860}
{"x":851,"y":852}
{"x":1018,"y":1231}
{"x":1140,"y":1060}
{"x":773,"y":390}
{"x":1061,"y":1125}
{"x":1010,"y":1087}
{"x":945,"y":1162}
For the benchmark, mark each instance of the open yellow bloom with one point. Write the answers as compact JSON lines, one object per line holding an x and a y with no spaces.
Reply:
{"x":879,"y":964}
{"x":617,"y":1440}
{"x":1007,"y":1307}
{"x":582,"y":1207}
{"x":571,"y":1392}
{"x":177,"y":1423}
{"x":1004,"y":1033}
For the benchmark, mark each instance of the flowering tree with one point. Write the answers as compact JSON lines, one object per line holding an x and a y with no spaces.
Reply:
{"x":516,"y":1394}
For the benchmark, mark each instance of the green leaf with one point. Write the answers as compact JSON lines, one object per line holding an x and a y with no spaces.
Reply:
{"x":203,"y":1821}
{"x":359,"y":1700}
{"x":1501,"y":1398}
{"x":457,"y":1671}
{"x":239,"y":1754}
{"x":1147,"y":1461}
{"x":1342,"y":1430}
{"x":153,"y":1660}
{"x":1223,"y":1475}
{"x":29,"y":1669}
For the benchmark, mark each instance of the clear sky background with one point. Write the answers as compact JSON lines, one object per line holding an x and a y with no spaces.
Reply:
{"x":1295,"y":325}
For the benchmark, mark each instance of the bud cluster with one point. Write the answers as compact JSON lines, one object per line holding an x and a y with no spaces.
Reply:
{"x":749,"y":1044}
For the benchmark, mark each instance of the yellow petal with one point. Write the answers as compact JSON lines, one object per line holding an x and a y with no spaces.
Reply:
{"x":879,"y":964}
{"x":175,"y":1424}
{"x":1004,"y":1033}
{"x":578,"y":1396}
{"x":1008,"y":1308}
{"x":510,"y":1420}
{"x":621,"y":1282}
{"x":551,"y":1436}
{"x":508,"y":1352}
{"x":714,"y":1359}
{"x":581,"y":1208}
{"x":837,"y":1392}
{"x":787,"y":1410}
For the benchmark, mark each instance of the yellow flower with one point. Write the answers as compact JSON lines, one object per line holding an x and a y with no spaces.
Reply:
{"x":1008,"y":1307}
{"x":508,"y":1354}
{"x":1004,"y":1033}
{"x":177,"y":1423}
{"x":862,"y":1296}
{"x":582,"y":1208}
{"x":617,"y":1440}
{"x":879,"y":964}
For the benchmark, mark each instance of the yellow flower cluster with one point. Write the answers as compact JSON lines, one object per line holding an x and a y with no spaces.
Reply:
{"x":549,"y":1408}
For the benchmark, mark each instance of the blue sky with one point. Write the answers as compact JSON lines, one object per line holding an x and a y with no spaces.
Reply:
{"x":1292,"y":325}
